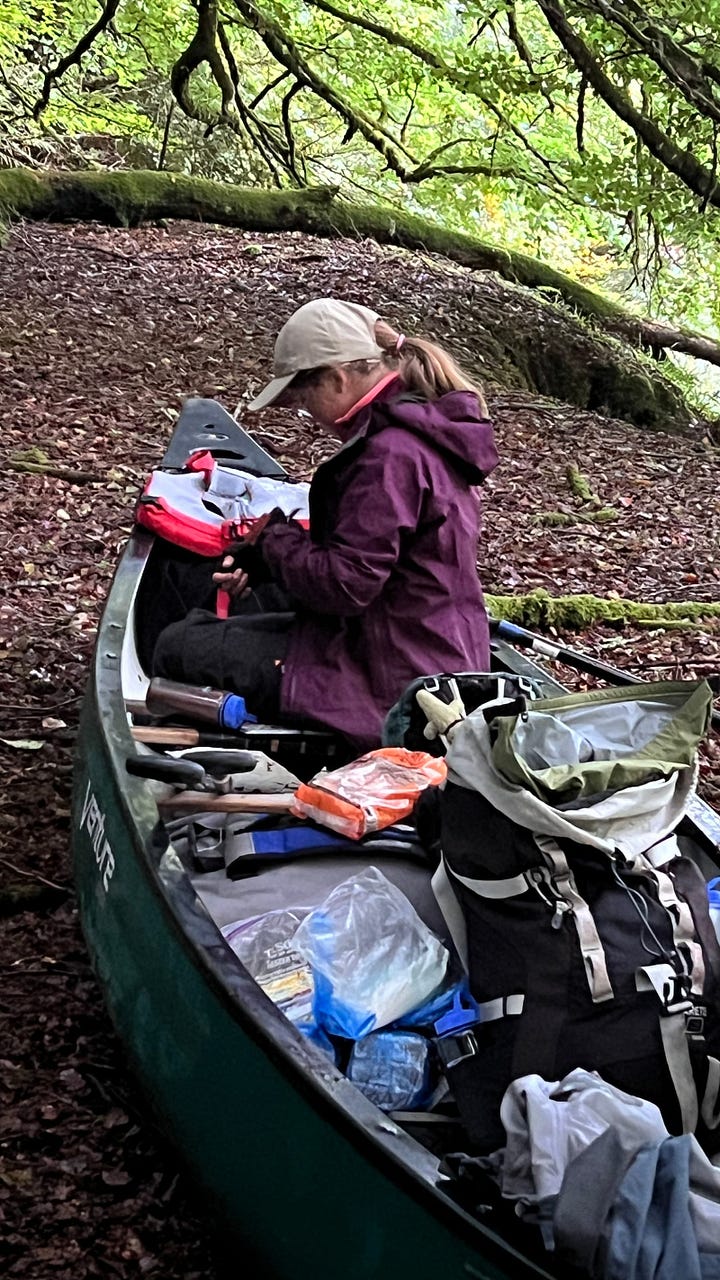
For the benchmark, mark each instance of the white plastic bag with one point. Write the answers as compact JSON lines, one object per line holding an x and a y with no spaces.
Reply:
{"x":372,"y":957}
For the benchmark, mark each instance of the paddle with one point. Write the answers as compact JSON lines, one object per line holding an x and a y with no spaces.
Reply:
{"x":233,"y":802}
{"x":169,"y":736}
{"x":580,"y":661}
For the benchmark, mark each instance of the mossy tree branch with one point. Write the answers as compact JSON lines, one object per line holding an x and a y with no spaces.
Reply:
{"x":285,"y":51}
{"x":210,"y":45}
{"x":396,"y":156}
{"x":575,"y":613}
{"x":693,"y":77}
{"x":204,"y":48}
{"x":470,"y":82}
{"x":683,"y":164}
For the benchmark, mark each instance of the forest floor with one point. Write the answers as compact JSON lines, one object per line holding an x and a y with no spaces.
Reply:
{"x":102,"y":335}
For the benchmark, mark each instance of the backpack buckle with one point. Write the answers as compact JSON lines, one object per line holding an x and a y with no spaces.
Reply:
{"x":672,"y":989}
{"x":695,"y":1022}
{"x":453,"y":1050}
{"x":676,"y":994}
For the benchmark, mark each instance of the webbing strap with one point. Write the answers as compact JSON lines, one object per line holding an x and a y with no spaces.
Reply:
{"x":672,"y":990}
{"x":451,"y":910}
{"x":680,"y":916}
{"x":502,"y":1007}
{"x":710,"y":1105}
{"x":677,"y":1057}
{"x":663,"y":852}
{"x":590,"y":945}
{"x":688,"y":878}
{"x":508,"y":888}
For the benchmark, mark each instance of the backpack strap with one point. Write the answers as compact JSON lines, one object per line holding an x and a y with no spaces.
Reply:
{"x":688,"y":879}
{"x":678,"y":1015}
{"x":451,"y":909}
{"x":570,"y":900}
{"x":675,"y":1005}
{"x":555,"y":885}
{"x":680,"y":916}
{"x":710,"y":1104}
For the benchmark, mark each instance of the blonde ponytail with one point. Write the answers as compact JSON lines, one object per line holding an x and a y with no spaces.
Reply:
{"x":424,"y":366}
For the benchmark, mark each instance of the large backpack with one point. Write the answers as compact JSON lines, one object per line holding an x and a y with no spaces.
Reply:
{"x":584,"y":928}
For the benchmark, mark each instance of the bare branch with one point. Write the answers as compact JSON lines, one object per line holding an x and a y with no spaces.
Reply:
{"x":268,"y":88}
{"x":285,"y":112}
{"x":580,"y":119}
{"x":260,"y":134}
{"x":73,"y":58}
{"x":682,"y":163}
{"x":166,"y":135}
{"x":286,"y":52}
{"x":687,"y":73}
{"x":204,"y":48}
{"x":467,"y":82}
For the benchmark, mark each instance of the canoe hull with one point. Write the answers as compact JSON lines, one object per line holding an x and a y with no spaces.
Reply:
{"x":310,"y":1187}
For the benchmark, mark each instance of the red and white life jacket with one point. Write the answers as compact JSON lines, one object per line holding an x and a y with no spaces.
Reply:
{"x":206,"y":507}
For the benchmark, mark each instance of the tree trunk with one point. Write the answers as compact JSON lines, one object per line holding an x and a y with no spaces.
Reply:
{"x":568,"y":360}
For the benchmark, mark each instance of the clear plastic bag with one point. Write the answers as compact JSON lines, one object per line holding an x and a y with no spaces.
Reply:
{"x":372,"y":957}
{"x":265,"y":946}
{"x":369,"y":793}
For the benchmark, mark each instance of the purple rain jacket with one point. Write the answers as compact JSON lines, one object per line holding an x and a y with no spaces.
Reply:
{"x":385,"y":582}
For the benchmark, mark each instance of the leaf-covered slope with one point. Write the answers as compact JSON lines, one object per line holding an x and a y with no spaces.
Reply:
{"x":585,"y":127}
{"x":528,"y":340}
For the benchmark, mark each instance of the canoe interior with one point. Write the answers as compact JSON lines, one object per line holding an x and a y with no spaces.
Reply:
{"x":272,"y":1131}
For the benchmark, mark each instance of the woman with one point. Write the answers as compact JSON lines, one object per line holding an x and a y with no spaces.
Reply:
{"x":384,"y":585}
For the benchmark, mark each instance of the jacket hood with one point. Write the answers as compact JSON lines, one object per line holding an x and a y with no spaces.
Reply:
{"x":452,"y":424}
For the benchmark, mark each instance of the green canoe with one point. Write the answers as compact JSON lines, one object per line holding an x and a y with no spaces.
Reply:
{"x":311,"y":1177}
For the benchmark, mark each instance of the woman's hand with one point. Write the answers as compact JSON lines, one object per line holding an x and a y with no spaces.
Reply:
{"x":235,"y":581}
{"x":244,"y":564}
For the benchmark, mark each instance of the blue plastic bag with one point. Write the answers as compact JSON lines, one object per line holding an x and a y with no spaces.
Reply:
{"x":393,"y":1069}
{"x":372,"y":957}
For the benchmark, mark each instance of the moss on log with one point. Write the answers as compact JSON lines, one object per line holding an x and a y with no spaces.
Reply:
{"x":575,"y":613}
{"x":579,"y":486}
{"x":589,"y":369}
{"x":130,"y":198}
{"x":560,"y":519}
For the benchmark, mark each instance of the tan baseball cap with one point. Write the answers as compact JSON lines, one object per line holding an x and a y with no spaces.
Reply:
{"x":324,"y":332}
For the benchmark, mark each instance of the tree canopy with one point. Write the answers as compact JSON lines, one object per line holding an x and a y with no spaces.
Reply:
{"x":585,"y":131}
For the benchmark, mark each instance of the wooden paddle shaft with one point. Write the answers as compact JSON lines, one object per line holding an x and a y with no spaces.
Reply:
{"x":234,"y":802}
{"x":170,"y":737}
